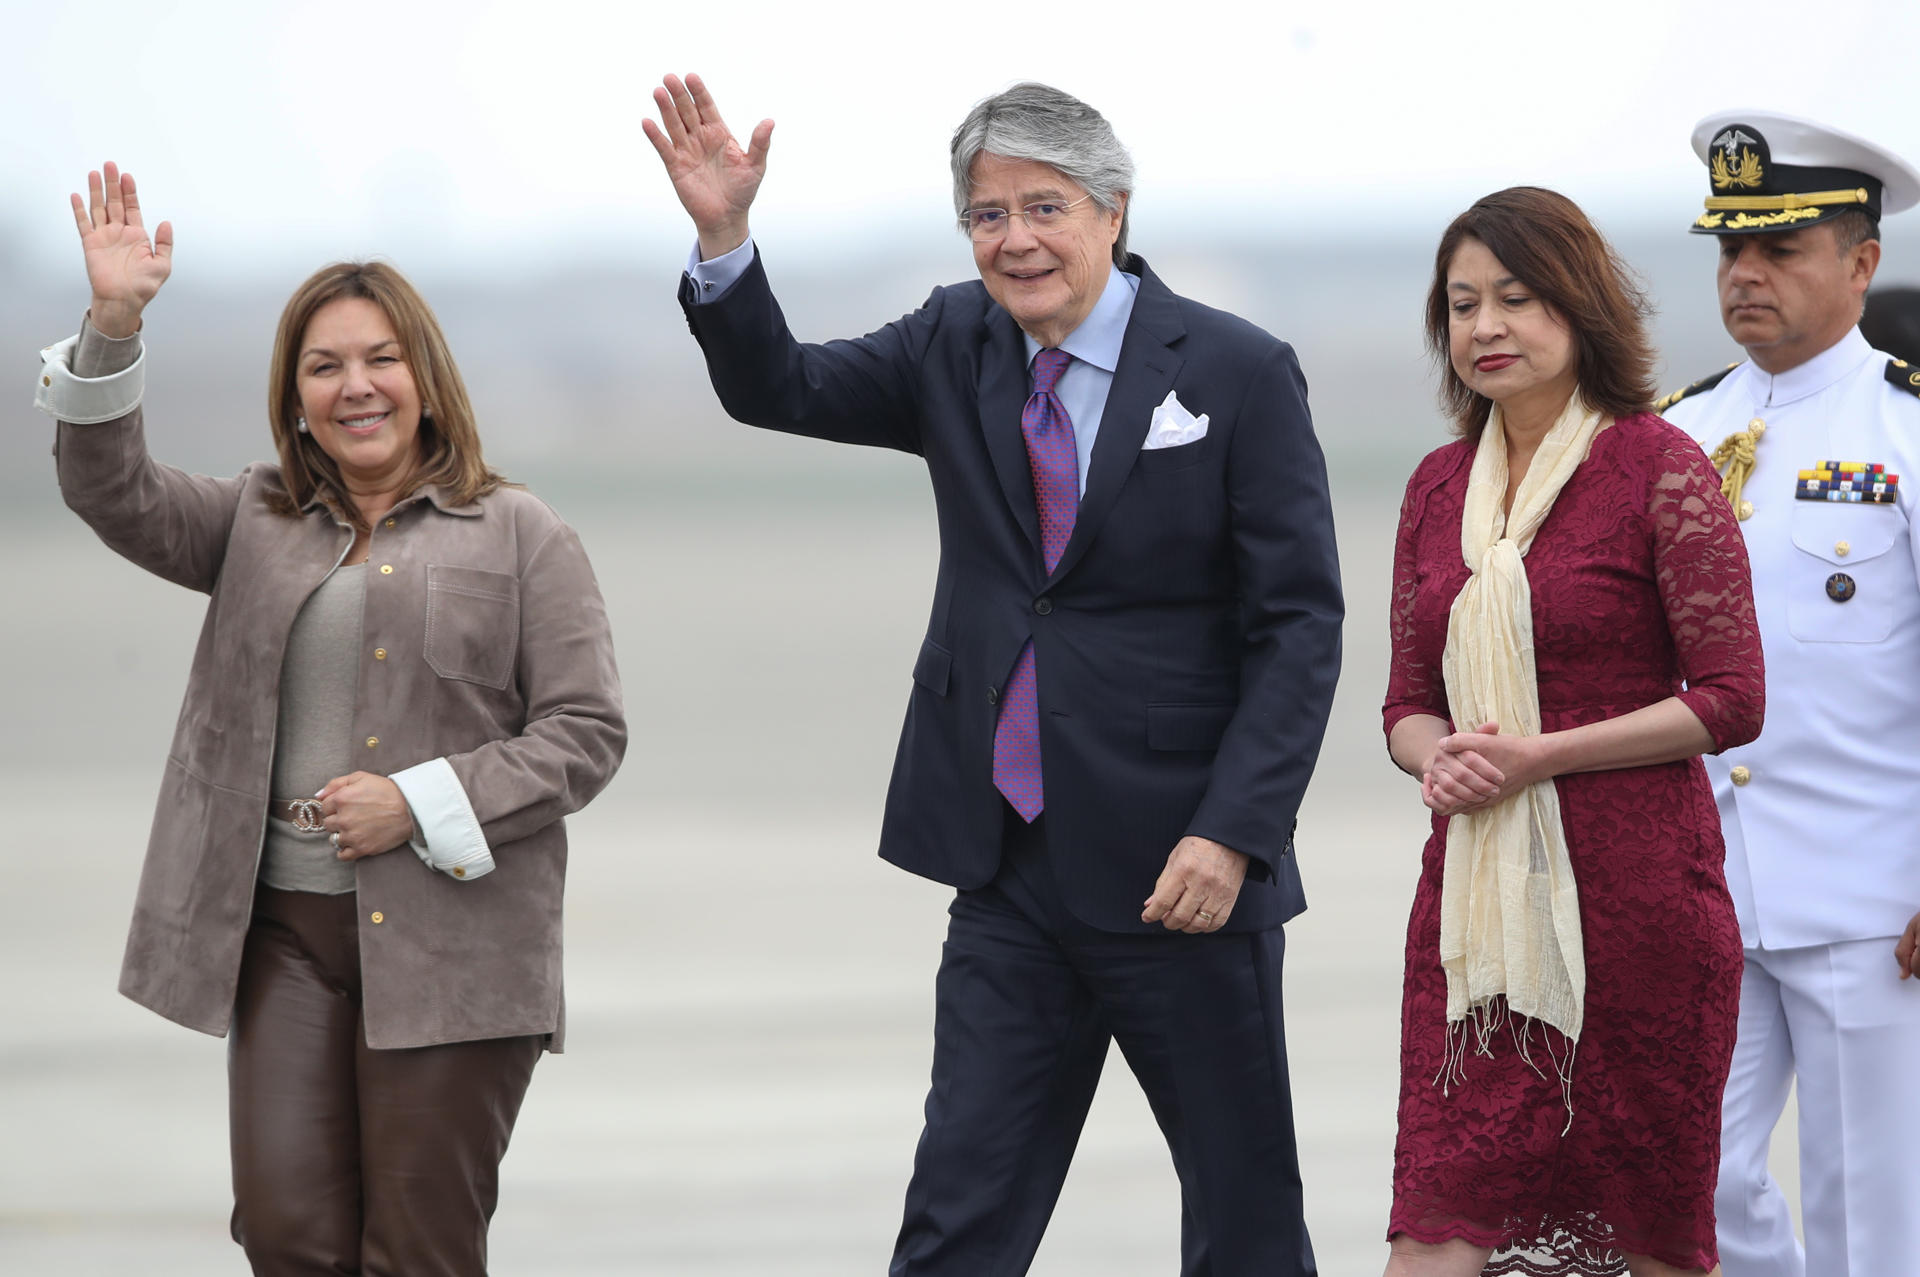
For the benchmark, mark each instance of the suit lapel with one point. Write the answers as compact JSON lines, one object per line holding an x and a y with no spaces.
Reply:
{"x":1147,"y":367}
{"x":1003,"y":397}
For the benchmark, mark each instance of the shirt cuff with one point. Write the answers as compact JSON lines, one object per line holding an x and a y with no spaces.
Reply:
{"x":453,"y":843}
{"x":86,"y":401}
{"x":712,"y":278}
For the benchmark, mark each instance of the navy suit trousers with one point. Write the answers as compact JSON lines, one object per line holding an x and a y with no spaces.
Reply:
{"x":1028,"y":999}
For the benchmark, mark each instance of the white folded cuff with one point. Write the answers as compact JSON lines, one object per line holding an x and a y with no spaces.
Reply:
{"x":86,"y":401}
{"x":453,"y":843}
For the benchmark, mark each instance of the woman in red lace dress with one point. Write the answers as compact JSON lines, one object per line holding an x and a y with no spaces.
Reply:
{"x":1572,"y":1128}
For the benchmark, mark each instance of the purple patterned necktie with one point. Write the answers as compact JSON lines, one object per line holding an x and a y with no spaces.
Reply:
{"x":1056,"y":491}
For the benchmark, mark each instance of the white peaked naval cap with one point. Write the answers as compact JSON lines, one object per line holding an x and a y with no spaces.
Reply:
{"x":1772,"y":172}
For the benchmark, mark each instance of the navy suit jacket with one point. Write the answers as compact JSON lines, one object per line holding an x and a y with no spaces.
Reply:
{"x":1188,"y":641}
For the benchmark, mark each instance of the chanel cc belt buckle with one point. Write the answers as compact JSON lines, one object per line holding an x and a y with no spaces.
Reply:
{"x":306,"y":814}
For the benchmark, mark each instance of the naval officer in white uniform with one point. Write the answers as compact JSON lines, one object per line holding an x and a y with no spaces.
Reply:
{"x":1818,"y":437}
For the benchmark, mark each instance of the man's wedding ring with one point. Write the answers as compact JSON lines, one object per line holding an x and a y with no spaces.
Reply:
{"x":1203,"y":915}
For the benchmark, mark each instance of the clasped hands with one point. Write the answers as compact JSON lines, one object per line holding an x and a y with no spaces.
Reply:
{"x":1471,"y":770}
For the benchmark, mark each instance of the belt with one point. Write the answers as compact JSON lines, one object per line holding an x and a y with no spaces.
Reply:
{"x":302,"y":813}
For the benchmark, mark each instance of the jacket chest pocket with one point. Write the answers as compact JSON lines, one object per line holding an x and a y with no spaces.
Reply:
{"x":1847,"y":570}
{"x":473,"y":624}
{"x":1167,"y":460}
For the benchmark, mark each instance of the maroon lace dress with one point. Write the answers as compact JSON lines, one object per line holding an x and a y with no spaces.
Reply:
{"x":1639,"y":581}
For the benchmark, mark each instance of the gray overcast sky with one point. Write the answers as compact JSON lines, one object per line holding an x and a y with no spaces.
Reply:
{"x":509,"y":132}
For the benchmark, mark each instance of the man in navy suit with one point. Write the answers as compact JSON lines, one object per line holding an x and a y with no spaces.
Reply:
{"x":1125,"y":680}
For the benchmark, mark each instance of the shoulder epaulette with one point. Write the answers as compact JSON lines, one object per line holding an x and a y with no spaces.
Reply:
{"x":1904,"y":376}
{"x":1698,"y":387}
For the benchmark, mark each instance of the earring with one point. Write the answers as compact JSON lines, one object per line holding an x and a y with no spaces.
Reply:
{"x":302,"y":422}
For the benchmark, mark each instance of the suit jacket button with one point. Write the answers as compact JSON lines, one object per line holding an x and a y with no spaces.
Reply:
{"x":1043,"y":605}
{"x":993,"y":696}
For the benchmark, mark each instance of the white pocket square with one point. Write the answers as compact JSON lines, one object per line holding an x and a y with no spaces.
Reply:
{"x":1173,"y":425}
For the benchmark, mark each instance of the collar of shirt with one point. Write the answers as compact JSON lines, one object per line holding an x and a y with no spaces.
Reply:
{"x":1097,"y":340}
{"x":1824,"y":369}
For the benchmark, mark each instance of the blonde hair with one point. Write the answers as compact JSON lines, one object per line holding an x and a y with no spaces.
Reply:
{"x":448,"y":442}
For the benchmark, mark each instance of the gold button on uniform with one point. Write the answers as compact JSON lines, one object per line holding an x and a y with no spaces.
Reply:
{"x":386,"y":569}
{"x":1757,"y":424}
{"x":1745,"y":511}
{"x":46,"y":381}
{"x":372,"y":741}
{"x":390,"y":522}
{"x":376,"y":917}
{"x":459,"y":871}
{"x":1842,"y":548}
{"x":379,"y":653}
{"x":1741,"y":775}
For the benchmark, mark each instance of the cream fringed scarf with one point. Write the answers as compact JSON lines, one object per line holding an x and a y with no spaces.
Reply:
{"x":1509,"y":916}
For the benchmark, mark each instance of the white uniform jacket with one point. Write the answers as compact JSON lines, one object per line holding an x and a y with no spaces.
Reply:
{"x":1822,"y":812}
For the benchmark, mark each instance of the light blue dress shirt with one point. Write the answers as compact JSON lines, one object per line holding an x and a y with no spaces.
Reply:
{"x":1094,"y":345}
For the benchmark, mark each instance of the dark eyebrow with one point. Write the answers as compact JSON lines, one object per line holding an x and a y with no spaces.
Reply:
{"x":321,"y":350}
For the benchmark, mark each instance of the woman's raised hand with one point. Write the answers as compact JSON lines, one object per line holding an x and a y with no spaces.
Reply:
{"x":124,"y":267}
{"x":715,"y":179}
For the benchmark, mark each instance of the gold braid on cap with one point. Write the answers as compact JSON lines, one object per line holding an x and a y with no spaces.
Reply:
{"x":1734,"y":460}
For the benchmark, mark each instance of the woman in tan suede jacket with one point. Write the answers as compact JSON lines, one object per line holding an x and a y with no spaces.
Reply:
{"x":427,"y":647}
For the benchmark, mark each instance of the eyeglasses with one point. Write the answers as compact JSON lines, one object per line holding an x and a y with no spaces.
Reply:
{"x":1047,"y":217}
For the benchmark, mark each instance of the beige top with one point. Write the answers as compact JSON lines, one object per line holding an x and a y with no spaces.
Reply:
{"x":312,"y":741}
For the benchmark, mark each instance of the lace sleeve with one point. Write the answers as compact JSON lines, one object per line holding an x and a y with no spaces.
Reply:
{"x":1700,"y":565}
{"x":1415,"y":684}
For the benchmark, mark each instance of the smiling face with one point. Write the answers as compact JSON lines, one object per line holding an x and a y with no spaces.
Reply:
{"x":1048,"y":283}
{"x":358,"y":395}
{"x":1503,"y":341}
{"x":1788,"y":295}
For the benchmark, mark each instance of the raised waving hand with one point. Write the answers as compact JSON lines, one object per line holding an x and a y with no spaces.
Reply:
{"x":715,"y":179}
{"x":123,"y":266}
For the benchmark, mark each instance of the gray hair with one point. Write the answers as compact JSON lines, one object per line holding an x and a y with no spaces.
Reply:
{"x":1039,"y":123}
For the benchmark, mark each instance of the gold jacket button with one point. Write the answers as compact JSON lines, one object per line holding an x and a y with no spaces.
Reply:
{"x":379,"y":653}
{"x":373,"y":742}
{"x":1745,"y":511}
{"x":386,"y":569}
{"x":1741,"y":775}
{"x":376,"y":917}
{"x":1842,"y":548}
{"x":391,"y":522}
{"x":459,"y":871}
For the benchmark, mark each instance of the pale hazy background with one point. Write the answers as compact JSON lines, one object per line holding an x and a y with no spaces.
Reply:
{"x":750,"y":990}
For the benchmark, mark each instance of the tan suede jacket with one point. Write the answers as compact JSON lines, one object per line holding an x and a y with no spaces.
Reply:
{"x":487,"y":669}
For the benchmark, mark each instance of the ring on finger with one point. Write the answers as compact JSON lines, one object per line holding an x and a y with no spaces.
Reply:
{"x":334,"y":839}
{"x":1204,"y":916}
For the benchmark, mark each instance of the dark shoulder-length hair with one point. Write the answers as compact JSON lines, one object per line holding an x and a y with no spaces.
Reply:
{"x":1548,"y":244}
{"x":449,"y":443}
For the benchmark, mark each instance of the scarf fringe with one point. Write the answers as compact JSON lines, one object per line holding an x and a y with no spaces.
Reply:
{"x":1481,"y":1024}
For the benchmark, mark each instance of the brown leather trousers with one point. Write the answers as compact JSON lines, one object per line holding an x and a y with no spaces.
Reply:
{"x":347,"y":1159}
